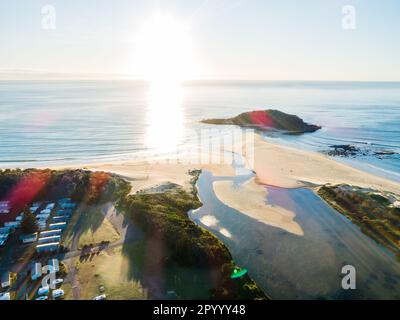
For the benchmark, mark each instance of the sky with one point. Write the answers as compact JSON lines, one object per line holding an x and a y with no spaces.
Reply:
{"x":228,"y":39}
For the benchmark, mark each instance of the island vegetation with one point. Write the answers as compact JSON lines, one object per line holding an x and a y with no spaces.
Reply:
{"x":376,"y":213}
{"x":267,"y":120}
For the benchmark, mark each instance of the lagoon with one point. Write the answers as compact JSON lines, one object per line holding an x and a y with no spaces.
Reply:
{"x":289,"y":266}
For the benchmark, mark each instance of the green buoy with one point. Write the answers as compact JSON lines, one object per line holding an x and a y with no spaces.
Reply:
{"x":238,"y":272}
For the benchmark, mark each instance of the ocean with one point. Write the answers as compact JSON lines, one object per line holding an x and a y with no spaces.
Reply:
{"x":70,"y":122}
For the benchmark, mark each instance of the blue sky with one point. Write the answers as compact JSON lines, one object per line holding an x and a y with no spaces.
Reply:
{"x":232,"y":39}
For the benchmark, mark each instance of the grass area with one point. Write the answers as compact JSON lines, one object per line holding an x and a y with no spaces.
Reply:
{"x":371,"y":210}
{"x":131,"y":271}
{"x":109,"y":270}
{"x":91,"y":226}
{"x":67,"y":291}
{"x":72,"y":226}
{"x":96,"y":229}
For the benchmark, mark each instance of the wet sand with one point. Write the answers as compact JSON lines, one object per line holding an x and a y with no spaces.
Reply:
{"x":250,"y":198}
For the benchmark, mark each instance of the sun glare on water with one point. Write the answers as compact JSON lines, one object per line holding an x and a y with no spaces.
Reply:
{"x":164,"y":118}
{"x":165,"y":59}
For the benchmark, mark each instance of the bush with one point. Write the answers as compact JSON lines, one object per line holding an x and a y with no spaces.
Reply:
{"x":28,"y":224}
{"x":188,"y":244}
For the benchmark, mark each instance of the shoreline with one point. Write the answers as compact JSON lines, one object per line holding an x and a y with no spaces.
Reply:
{"x":274,"y":165}
{"x":287,"y":167}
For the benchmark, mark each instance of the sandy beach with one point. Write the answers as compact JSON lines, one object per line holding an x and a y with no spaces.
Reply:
{"x":274,"y":165}
{"x":286,"y":167}
{"x":144,"y":175}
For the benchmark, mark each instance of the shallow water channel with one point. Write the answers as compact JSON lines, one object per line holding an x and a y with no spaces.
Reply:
{"x":288,"y":266}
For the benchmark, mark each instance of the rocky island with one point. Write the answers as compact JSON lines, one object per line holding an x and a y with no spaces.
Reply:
{"x":268,"y":120}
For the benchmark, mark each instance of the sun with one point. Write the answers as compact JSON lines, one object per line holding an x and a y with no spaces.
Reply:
{"x":164,"y":50}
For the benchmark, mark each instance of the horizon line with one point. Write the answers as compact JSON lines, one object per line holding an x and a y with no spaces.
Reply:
{"x":40,"y":75}
{"x":3,"y":79}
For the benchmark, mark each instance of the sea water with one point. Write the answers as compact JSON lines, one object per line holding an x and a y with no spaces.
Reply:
{"x":66,"y":122}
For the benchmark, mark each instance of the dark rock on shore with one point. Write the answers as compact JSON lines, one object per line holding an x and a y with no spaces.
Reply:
{"x":348,"y":150}
{"x":384,"y":153}
{"x":268,"y":120}
{"x":345,"y":150}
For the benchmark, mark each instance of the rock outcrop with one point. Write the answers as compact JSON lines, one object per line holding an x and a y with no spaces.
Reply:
{"x":268,"y":120}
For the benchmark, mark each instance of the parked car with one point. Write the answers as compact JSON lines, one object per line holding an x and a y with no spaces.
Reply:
{"x":58,"y":293}
{"x":58,"y":282}
{"x":101,"y":297}
{"x":5,"y":296}
{"x":43,"y":291}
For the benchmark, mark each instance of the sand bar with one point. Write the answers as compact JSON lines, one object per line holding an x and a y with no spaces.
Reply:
{"x":250,"y":198}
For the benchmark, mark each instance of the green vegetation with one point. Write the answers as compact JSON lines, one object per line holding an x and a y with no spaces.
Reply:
{"x":22,"y":187}
{"x":371,"y":210}
{"x":165,"y":215}
{"x":268,"y":120}
{"x":192,"y":254}
{"x":106,"y":273}
{"x":28,"y":224}
{"x":94,"y":228}
{"x":90,"y":226}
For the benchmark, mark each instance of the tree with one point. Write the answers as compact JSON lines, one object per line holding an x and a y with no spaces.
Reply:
{"x":28,"y":224}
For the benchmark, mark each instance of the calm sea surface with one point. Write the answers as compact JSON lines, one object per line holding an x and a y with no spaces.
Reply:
{"x":62,"y":122}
